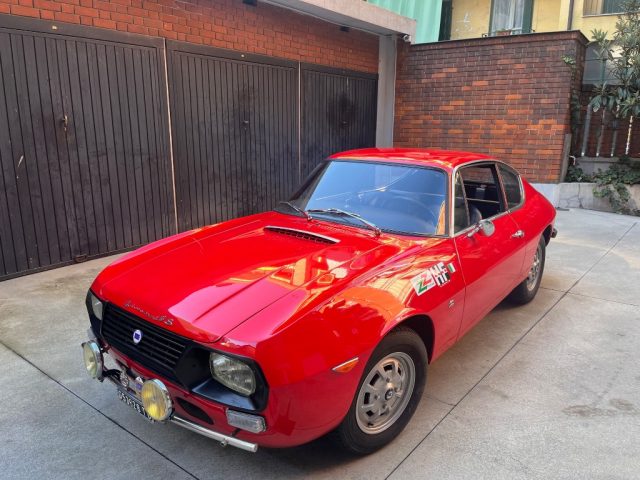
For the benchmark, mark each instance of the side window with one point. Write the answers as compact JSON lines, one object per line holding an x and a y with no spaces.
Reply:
{"x":483,"y":192}
{"x":511,"y":184}
{"x":460,"y":212}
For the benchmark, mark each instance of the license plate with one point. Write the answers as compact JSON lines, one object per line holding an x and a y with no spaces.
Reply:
{"x":134,"y":403}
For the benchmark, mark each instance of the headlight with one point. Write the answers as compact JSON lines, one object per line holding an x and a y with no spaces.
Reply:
{"x":233,"y":373}
{"x":93,"y":359}
{"x":156,"y":400}
{"x":96,"y":305}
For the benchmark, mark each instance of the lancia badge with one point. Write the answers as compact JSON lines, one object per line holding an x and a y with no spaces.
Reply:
{"x":137,"y":336}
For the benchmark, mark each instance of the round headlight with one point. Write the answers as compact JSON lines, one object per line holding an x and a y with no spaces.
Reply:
{"x":92,"y":359}
{"x":156,"y":400}
{"x":233,"y":373}
{"x":96,"y":306}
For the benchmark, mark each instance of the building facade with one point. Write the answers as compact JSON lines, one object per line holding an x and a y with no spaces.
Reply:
{"x":463,"y":19}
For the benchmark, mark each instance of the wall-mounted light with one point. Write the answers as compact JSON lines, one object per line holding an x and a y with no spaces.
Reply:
{"x":344,"y":29}
{"x":253,"y":3}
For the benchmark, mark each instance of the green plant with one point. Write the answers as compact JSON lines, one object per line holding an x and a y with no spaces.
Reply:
{"x":576,"y":174}
{"x":612,"y":185}
{"x":621,"y":56}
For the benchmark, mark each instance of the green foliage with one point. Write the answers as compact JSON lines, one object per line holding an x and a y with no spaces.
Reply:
{"x":612,"y":185}
{"x":622,"y":56}
{"x":576,"y":174}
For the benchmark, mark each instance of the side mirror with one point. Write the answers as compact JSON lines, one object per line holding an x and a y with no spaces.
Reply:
{"x":486,"y":227}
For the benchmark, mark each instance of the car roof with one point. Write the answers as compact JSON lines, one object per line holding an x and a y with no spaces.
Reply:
{"x":445,"y":159}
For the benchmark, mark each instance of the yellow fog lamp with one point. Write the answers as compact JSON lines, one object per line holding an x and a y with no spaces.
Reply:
{"x":93,"y":361}
{"x":156,"y":400}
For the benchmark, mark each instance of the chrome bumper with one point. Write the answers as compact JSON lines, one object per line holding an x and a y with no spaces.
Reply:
{"x":194,"y":427}
{"x":223,"y":439}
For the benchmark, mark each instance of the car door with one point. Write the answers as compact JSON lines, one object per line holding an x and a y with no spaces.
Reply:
{"x":514,"y":196}
{"x":491,"y":264}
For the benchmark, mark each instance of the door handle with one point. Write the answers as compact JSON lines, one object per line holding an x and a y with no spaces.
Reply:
{"x":518,"y":234}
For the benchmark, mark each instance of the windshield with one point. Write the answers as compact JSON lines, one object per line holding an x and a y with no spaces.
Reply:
{"x":394,"y":198}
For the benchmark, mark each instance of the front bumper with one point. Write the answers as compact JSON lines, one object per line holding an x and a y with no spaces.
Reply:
{"x":296,"y":413}
{"x":131,"y":387}
{"x":224,"y":440}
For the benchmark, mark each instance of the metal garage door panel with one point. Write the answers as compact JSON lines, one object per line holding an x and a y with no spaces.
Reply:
{"x":85,"y":167}
{"x":234,"y":124}
{"x":338,"y":113}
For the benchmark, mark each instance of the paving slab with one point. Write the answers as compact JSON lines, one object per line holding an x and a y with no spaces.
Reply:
{"x":47,"y":432}
{"x":617,"y":275}
{"x":584,"y":236}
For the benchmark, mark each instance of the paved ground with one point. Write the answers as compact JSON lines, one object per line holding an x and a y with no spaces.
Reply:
{"x":550,"y":390}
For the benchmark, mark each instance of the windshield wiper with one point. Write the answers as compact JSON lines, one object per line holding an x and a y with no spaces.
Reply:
{"x":304,"y":213}
{"x":337,"y":211}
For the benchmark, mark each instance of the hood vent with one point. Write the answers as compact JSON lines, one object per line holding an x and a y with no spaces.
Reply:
{"x":314,"y":237}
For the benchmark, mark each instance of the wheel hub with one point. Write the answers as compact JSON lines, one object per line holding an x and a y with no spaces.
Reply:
{"x":389,"y":394}
{"x":385,"y":392}
{"x":534,"y":271}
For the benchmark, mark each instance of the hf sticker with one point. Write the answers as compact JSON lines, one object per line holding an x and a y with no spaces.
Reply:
{"x":438,"y":274}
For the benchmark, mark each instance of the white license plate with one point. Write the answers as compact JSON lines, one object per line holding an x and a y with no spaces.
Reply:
{"x":134,"y":403}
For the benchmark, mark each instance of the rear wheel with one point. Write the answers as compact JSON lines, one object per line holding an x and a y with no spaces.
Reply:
{"x":526,"y":291}
{"x":388,"y":393}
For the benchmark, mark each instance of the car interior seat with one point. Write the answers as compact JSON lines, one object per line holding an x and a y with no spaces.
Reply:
{"x":474,"y":215}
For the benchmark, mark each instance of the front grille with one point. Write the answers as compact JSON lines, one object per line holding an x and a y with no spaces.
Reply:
{"x":158,"y":349}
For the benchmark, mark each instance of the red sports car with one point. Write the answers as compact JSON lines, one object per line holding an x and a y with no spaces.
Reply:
{"x":324,"y":314}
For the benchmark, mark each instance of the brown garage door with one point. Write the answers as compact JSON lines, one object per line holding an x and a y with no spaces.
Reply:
{"x":338,"y":112}
{"x":234,"y":124}
{"x":84,"y":158}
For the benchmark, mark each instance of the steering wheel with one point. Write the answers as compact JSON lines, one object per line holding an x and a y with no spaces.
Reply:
{"x":421,"y":207}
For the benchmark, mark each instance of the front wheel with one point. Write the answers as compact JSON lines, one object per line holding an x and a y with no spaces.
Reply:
{"x":388,"y":393}
{"x":526,"y":291}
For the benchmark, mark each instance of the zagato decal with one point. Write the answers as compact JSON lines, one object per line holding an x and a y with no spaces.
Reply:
{"x":438,"y":274}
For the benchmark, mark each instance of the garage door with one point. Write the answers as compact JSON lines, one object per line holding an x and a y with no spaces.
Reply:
{"x":234,"y":125}
{"x":338,"y":112}
{"x":84,"y":160}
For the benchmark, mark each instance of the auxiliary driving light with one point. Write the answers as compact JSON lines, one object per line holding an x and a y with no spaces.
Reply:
{"x":156,"y":400}
{"x":93,"y":361}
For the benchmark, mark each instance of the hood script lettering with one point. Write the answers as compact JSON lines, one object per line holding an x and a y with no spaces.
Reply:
{"x":168,"y":321}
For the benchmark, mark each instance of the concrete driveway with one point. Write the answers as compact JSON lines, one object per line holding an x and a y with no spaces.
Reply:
{"x":549,"y":390}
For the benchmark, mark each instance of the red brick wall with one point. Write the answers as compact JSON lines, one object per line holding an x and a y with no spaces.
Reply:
{"x":230,"y":24}
{"x":505,"y":96}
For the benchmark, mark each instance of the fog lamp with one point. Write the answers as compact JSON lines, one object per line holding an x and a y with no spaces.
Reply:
{"x":93,"y":361}
{"x":156,"y":400}
{"x":246,"y":421}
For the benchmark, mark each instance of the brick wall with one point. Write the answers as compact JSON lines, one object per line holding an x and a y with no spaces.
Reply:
{"x":230,"y":24}
{"x":505,"y":96}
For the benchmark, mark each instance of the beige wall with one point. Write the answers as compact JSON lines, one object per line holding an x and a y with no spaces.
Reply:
{"x":471,"y":18}
{"x":546,"y":16}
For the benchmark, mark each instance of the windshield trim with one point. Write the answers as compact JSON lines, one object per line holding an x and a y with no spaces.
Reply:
{"x":327,"y":161}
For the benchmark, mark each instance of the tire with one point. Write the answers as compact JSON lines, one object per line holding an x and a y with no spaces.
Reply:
{"x":526,"y":291}
{"x":403,"y":356}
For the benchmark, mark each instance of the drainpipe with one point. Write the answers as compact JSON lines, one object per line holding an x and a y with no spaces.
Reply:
{"x":570,"y":19}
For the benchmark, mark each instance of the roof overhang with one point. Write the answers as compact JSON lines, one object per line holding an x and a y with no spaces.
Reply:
{"x":354,"y":14}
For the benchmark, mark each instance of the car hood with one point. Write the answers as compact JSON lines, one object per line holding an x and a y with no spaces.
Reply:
{"x":205,"y":282}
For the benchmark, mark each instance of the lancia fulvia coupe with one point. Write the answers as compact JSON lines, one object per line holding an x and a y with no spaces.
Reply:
{"x":323,"y":314}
